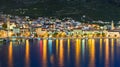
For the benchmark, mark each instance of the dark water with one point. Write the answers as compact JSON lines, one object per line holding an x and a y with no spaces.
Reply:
{"x":61,"y":53}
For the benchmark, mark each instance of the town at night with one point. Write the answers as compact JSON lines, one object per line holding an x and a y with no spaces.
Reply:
{"x":59,"y":33}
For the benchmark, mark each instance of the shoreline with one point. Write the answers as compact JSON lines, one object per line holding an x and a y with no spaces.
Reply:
{"x":60,"y":38}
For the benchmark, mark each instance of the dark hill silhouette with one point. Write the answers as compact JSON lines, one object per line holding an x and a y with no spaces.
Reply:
{"x":93,"y":9}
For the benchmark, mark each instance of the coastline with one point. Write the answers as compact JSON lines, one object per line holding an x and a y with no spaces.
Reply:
{"x":61,"y":38}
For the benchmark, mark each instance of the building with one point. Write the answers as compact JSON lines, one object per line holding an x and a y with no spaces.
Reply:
{"x":112,"y":25}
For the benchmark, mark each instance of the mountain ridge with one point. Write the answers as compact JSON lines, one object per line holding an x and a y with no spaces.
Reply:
{"x":93,"y":9}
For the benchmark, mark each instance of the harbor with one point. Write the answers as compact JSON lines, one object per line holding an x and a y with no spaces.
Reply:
{"x":59,"y":33}
{"x":61,"y":53}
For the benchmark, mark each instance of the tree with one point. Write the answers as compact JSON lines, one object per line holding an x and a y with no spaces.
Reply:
{"x":4,"y":26}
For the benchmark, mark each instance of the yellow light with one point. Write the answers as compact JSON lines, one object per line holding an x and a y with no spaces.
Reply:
{"x":61,"y":55}
{"x":27,"y":54}
{"x":100,"y":48}
{"x":89,"y":42}
{"x":112,"y":50}
{"x":57,"y":47}
{"x":44,"y":53}
{"x":77,"y":52}
{"x":92,"y":53}
{"x":68,"y":47}
{"x":10,"y":34}
{"x":107,"y":53}
{"x":10,"y":55}
{"x":83,"y":47}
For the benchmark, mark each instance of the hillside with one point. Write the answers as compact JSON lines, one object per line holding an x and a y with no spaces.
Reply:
{"x":94,"y":10}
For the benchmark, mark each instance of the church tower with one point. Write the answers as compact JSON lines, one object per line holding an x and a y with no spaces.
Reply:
{"x":112,"y":25}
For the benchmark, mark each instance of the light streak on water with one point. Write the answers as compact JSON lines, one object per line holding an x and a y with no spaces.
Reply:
{"x":112,"y":51}
{"x":50,"y":51}
{"x":77,"y":52}
{"x":41,"y":48}
{"x":10,"y":55}
{"x":68,"y":47}
{"x":44,"y":53}
{"x":92,"y":53}
{"x":57,"y":47}
{"x":61,"y":53}
{"x":107,"y":53}
{"x":50,"y":46}
{"x":27,"y":54}
{"x":83,"y":48}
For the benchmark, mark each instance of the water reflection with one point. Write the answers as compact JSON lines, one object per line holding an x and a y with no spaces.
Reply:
{"x":44,"y":53}
{"x":100,"y":48}
{"x":10,"y":55}
{"x":41,"y":48}
{"x":77,"y":52}
{"x":83,"y":58}
{"x":107,"y":53}
{"x":83,"y":48}
{"x":118,"y":42}
{"x":50,"y":51}
{"x":0,"y":55}
{"x":92,"y":53}
{"x":27,"y":54}
{"x":61,"y":54}
{"x":112,"y":51}
{"x":57,"y":47}
{"x":50,"y":46}
{"x":68,"y":49}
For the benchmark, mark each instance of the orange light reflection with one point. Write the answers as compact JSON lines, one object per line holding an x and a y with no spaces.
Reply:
{"x":10,"y":55}
{"x":57,"y":47}
{"x":107,"y":53}
{"x":68,"y":47}
{"x":27,"y":54}
{"x":92,"y":53}
{"x":100,"y":48}
{"x":77,"y":52}
{"x":112,"y":50}
{"x":61,"y":54}
{"x":44,"y":53}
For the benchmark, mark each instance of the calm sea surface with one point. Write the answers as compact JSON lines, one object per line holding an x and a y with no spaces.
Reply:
{"x":61,"y":53}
